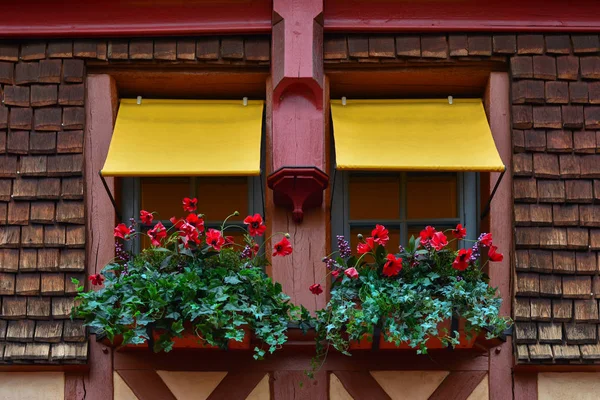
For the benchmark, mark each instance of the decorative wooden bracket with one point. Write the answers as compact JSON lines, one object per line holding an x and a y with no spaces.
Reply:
{"x":298,"y":106}
{"x":298,"y":188}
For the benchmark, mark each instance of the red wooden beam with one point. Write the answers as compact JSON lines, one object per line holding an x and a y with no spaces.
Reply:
{"x":461,"y":15}
{"x":110,"y":18}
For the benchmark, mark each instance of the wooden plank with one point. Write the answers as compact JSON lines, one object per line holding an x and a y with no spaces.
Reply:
{"x":525,"y":386}
{"x":458,"y":385}
{"x":237,"y":385}
{"x":497,"y":106}
{"x":74,"y":387}
{"x":101,"y":112}
{"x":295,"y":385}
{"x":361,"y":385}
{"x":299,"y":360}
{"x":146,"y":384}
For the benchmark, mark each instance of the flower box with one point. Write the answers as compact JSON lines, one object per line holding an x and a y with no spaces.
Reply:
{"x":190,"y":273}
{"x":188,"y":340}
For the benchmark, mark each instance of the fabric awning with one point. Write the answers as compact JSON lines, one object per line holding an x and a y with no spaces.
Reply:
{"x":413,"y":135}
{"x":185,"y":138}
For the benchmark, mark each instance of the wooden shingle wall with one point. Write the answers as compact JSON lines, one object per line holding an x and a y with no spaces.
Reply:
{"x":556,"y":166}
{"x":42,"y":205}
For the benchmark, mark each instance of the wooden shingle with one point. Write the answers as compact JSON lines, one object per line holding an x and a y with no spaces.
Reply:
{"x":48,"y":331}
{"x":20,"y":331}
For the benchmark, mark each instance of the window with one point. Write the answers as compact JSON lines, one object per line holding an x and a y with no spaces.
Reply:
{"x":404,"y":202}
{"x":217,"y":197}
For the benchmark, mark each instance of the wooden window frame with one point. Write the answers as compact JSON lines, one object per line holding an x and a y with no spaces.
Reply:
{"x":468,"y":208}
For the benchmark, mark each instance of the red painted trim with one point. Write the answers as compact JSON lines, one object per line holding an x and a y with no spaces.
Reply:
{"x":466,"y":15}
{"x":94,"y":18}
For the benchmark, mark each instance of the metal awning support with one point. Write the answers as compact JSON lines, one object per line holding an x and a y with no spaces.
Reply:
{"x":110,"y":196}
{"x":486,"y":210}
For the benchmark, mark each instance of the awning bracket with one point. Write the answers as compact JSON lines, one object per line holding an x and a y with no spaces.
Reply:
{"x":486,"y":210}
{"x":110,"y":196}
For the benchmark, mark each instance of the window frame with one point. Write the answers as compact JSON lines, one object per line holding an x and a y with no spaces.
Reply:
{"x":468,"y":206}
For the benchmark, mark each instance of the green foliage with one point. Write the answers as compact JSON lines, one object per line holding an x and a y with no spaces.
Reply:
{"x":407,"y":307}
{"x":171,"y":289}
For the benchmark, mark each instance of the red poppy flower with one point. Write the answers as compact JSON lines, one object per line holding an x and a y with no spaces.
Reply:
{"x":380,"y":235}
{"x":177,"y":223}
{"x":122,"y":231}
{"x":214,"y":239}
{"x":146,"y":217}
{"x":195,"y":220}
{"x":335,"y":274}
{"x":189,"y":205}
{"x":157,"y":233}
{"x":351,"y":273}
{"x":462,"y":259}
{"x":366,"y":247}
{"x":439,"y":241}
{"x":255,"y":248}
{"x":426,"y":234}
{"x":493,"y":255}
{"x":393,"y":266}
{"x":316,"y":288}
{"x":188,"y":233}
{"x":282,"y":248}
{"x":229,"y":241}
{"x":486,"y":239}
{"x":255,"y":225}
{"x":459,"y":232}
{"x":97,"y":279}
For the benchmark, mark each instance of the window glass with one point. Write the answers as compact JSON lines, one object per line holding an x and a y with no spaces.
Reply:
{"x":374,"y":197}
{"x":164,"y":195}
{"x":220,"y":197}
{"x":431,"y":195}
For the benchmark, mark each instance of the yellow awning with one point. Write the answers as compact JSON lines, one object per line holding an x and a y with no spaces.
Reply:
{"x":185,"y":138}
{"x":413,"y":135}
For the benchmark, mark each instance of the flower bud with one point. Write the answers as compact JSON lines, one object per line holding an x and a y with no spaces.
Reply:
{"x":359,"y":236}
{"x":236,"y":213}
{"x":287,"y":235}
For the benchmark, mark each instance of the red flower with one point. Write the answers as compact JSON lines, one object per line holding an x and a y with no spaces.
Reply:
{"x":366,"y":247}
{"x":195,"y":220}
{"x":146,"y":217}
{"x":255,"y":248}
{"x":335,"y":274}
{"x":214,"y":239}
{"x":255,"y":225}
{"x":316,"y":288}
{"x":462,"y":259}
{"x":283,"y":248}
{"x":393,"y":266}
{"x":351,"y":273}
{"x":189,"y":205}
{"x":97,"y":280}
{"x":380,"y":235}
{"x":426,"y":234}
{"x":188,"y":233}
{"x":122,"y":231}
{"x":229,"y":241}
{"x":439,"y":241}
{"x":493,"y":255}
{"x":177,"y":223}
{"x":486,"y":239}
{"x":157,"y":233}
{"x":459,"y":232}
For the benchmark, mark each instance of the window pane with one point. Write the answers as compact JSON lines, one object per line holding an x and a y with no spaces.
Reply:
{"x":431,"y":196}
{"x":415,"y":231}
{"x":164,"y":195}
{"x":391,"y":247}
{"x":220,"y":197}
{"x":374,"y":197}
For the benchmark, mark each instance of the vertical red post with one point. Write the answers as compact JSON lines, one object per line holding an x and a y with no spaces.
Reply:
{"x":296,"y":145}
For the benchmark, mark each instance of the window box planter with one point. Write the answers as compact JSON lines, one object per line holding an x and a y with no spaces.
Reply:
{"x":407,"y":300}
{"x":189,"y":273}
